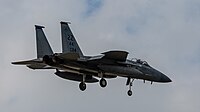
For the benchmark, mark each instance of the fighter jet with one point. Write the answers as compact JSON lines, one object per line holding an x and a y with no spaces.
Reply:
{"x":72,"y":64}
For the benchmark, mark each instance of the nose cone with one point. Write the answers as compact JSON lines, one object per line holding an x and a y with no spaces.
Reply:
{"x":165,"y":79}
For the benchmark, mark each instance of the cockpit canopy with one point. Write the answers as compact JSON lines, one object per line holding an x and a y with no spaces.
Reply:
{"x":141,"y":62}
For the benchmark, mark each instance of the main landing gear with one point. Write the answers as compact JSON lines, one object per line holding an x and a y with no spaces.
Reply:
{"x":82,"y":85}
{"x":130,"y":84}
{"x":103,"y":82}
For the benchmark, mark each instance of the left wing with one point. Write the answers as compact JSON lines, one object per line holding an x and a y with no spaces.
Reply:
{"x":116,"y":55}
{"x":111,"y":55}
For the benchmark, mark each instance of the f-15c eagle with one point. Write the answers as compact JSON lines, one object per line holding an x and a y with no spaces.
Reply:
{"x":71,"y":64}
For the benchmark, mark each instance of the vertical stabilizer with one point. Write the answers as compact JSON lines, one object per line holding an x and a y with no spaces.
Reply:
{"x":43,"y":46}
{"x":69,"y":43}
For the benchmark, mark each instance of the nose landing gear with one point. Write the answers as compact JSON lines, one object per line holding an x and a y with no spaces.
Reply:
{"x":129,"y":92}
{"x":130,"y":84}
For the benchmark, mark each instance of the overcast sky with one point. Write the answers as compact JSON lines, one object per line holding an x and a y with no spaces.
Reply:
{"x":165,"y":33}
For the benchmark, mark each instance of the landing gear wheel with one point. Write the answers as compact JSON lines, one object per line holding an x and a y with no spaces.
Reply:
{"x":82,"y":86}
{"x":103,"y":82}
{"x":129,"y":92}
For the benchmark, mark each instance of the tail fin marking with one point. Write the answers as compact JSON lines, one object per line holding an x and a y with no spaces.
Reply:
{"x":69,"y":43}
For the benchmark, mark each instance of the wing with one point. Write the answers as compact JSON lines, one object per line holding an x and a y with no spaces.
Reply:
{"x":110,"y":57}
{"x":116,"y":55}
{"x":69,"y":56}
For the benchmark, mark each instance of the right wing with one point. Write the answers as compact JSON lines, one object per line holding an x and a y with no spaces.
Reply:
{"x":69,"y":56}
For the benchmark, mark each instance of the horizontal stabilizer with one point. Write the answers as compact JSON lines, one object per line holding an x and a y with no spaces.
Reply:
{"x":29,"y":62}
{"x":33,"y":64}
{"x":116,"y":55}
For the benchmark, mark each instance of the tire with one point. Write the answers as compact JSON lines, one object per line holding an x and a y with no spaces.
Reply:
{"x":82,"y":86}
{"x":103,"y":82}
{"x":129,"y":93}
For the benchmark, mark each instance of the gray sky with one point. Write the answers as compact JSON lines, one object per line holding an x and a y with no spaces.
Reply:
{"x":163,"y":32}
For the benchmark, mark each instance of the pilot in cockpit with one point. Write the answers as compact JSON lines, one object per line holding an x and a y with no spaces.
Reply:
{"x":139,"y":61}
{"x":142,"y":62}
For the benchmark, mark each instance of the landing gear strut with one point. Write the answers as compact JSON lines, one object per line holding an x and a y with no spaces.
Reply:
{"x":130,"y":84}
{"x":103,"y":82}
{"x":82,"y":85}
